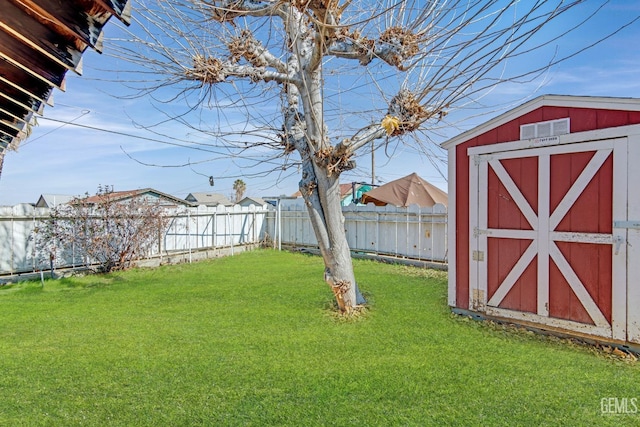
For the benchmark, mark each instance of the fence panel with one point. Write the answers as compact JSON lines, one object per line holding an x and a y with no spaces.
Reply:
{"x":412,"y":232}
{"x":188,"y":229}
{"x":16,"y":242}
{"x":6,"y":239}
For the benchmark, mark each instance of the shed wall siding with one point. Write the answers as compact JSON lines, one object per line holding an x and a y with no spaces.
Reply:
{"x":462,"y":226}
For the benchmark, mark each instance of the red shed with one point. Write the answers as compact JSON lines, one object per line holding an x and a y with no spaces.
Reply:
{"x":545,"y":217}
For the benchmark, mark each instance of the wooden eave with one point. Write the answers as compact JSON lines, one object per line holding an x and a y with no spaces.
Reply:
{"x":40,"y":40}
{"x":40,"y":37}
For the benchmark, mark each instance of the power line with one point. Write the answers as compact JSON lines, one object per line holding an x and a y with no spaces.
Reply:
{"x":115,"y":132}
{"x":83,"y":113}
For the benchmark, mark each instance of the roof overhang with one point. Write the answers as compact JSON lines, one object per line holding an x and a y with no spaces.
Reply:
{"x":40,"y":40}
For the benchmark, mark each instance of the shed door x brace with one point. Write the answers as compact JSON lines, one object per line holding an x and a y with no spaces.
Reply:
{"x":547,"y":235}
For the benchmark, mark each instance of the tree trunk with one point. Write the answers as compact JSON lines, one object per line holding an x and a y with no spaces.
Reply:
{"x":320,"y":183}
{"x":321,"y":192}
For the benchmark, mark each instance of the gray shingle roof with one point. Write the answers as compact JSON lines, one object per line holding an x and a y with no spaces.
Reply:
{"x":208,"y":199}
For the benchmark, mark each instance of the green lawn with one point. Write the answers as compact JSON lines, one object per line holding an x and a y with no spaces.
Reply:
{"x":250,"y":340}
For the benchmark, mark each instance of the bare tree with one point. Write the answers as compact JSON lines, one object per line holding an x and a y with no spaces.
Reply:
{"x":333,"y":79}
{"x":105,"y":231}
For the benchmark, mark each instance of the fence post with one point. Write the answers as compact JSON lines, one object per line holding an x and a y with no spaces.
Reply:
{"x":230,"y":230}
{"x":278,"y":231}
{"x":33,"y":252}
{"x":189,"y":233}
{"x":215,"y":235}
{"x":11,"y":263}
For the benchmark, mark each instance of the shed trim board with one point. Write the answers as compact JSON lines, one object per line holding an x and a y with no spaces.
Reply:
{"x":633,"y":241}
{"x":451,"y":230}
{"x":553,"y":226}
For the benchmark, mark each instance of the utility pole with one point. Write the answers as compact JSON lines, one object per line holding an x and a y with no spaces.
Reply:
{"x":373,"y":165}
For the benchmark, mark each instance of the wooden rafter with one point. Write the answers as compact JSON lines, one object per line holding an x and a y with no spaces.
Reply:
{"x":40,"y":40}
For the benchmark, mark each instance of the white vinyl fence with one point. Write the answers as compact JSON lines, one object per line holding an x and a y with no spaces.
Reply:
{"x":413,"y":232}
{"x":204,"y":227}
{"x":16,"y":244}
{"x":189,"y":230}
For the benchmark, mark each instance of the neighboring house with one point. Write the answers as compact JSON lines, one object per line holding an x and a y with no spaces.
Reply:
{"x":360,"y":189}
{"x":53,"y":200}
{"x":346,"y":192}
{"x":148,"y":194}
{"x":544,"y":217}
{"x":283,"y":200}
{"x":352,"y":193}
{"x":255,"y":201}
{"x":208,"y":199}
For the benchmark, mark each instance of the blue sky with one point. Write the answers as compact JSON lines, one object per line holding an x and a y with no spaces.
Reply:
{"x":61,"y":158}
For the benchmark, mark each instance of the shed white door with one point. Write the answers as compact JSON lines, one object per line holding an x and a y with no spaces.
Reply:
{"x":543,"y":245}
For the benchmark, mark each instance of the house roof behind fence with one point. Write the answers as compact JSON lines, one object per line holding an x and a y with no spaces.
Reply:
{"x":53,"y":200}
{"x":208,"y":199}
{"x":116,"y":196}
{"x":345,"y":190}
{"x":252,"y":201}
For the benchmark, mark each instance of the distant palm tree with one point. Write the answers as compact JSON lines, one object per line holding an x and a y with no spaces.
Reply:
{"x":239,"y":187}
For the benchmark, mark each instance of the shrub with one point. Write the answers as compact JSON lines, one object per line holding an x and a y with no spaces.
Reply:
{"x":108,"y":231}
